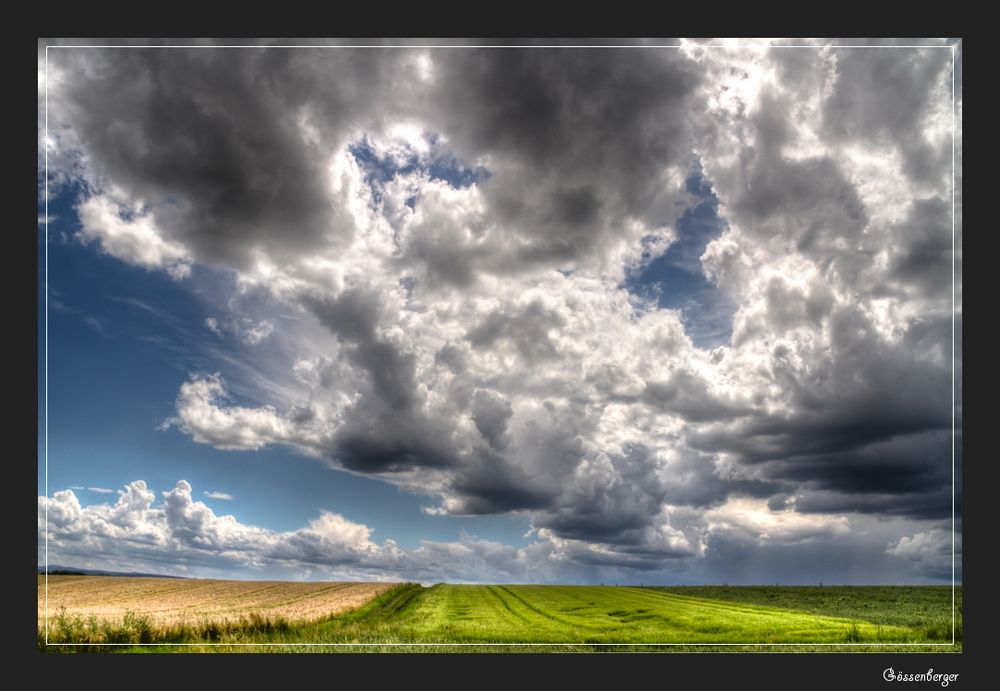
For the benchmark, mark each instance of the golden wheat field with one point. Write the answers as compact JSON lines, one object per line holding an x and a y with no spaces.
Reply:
{"x":170,"y":601}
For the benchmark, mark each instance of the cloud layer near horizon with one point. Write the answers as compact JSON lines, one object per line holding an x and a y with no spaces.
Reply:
{"x":453,"y":230}
{"x":179,"y":535}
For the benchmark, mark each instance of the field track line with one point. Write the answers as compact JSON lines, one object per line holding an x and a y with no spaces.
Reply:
{"x":402,"y":595}
{"x":585,"y":594}
{"x":746,"y":608}
{"x":536,"y":610}
{"x":310,"y":594}
{"x":495,"y":592}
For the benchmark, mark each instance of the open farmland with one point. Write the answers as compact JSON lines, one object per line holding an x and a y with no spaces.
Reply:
{"x":169,"y":602}
{"x":478,"y":616}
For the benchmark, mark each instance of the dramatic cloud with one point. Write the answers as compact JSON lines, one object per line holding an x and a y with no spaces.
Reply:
{"x":181,"y":535}
{"x":441,"y":249}
{"x":176,"y":534}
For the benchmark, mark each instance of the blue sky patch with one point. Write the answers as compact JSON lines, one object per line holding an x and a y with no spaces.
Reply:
{"x":676,"y":278}
{"x":439,"y":165}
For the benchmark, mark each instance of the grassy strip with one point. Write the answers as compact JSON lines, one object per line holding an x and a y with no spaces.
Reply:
{"x":926,"y":609}
{"x":90,"y":634}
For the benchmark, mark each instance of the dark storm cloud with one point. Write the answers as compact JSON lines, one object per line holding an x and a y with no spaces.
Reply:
{"x":214,"y":135}
{"x":491,"y":413}
{"x":926,"y":503}
{"x":385,"y":431}
{"x":692,"y":480}
{"x":925,"y":262}
{"x":575,"y":116}
{"x":889,"y":437}
{"x":902,"y":464}
{"x":489,"y":484}
{"x":628,"y":559}
{"x":688,"y":396}
{"x":612,"y":503}
{"x":904,"y":476}
{"x":354,"y":316}
{"x":864,"y":391}
{"x":848,"y":466}
{"x":376,"y":442}
{"x":767,"y":439}
{"x":578,"y":139}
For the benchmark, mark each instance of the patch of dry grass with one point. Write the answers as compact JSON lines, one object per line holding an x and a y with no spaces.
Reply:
{"x":168,"y":602}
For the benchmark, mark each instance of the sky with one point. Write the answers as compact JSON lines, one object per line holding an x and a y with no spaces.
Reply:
{"x":638,"y":314}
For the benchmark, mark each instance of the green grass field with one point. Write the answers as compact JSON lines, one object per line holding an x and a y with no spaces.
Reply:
{"x":925,"y":609}
{"x":589,"y":617}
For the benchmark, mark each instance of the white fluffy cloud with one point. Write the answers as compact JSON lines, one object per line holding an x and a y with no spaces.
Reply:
{"x":230,"y":427}
{"x":454,"y":254}
{"x":133,"y":238}
{"x":137,"y":527}
{"x":181,"y":535}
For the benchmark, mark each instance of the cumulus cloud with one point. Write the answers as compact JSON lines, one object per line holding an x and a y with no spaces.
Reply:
{"x":179,"y":533}
{"x":176,"y":534}
{"x":230,"y":427}
{"x":930,"y":552}
{"x":131,"y":237}
{"x":225,"y":496}
{"x":453,"y":230}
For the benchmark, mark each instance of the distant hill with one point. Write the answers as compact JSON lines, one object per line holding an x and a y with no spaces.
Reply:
{"x":56,"y":570}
